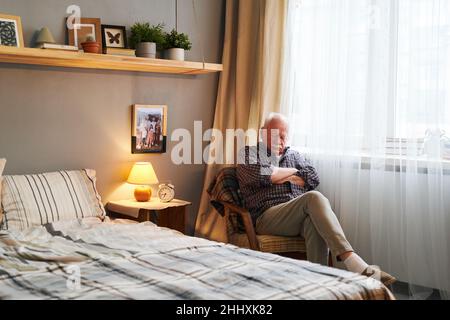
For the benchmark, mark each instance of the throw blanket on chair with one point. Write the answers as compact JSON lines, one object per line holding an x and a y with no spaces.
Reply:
{"x":225,"y":187}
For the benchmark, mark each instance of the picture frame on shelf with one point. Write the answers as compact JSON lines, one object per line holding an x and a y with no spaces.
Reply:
{"x":11,"y":33}
{"x":114,"y":36}
{"x":149,"y":129}
{"x":80,"y":31}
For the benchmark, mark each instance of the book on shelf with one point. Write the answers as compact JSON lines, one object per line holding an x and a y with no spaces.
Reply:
{"x":54,"y":46}
{"x":119,"y":52}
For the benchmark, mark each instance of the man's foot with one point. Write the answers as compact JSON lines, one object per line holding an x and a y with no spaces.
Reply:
{"x":354,"y":263}
{"x":377,"y":273}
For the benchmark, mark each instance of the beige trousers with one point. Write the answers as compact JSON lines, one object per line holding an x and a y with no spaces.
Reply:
{"x":310,"y":216}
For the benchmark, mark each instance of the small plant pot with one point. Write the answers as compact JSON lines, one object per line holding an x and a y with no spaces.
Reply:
{"x":175,"y":54}
{"x":146,"y":50}
{"x":91,"y":47}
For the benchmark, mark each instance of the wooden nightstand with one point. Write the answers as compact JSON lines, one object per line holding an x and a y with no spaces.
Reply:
{"x":171,"y":214}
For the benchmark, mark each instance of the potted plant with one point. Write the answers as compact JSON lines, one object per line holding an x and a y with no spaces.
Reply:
{"x":90,"y":45}
{"x":146,"y":39}
{"x":176,"y":44}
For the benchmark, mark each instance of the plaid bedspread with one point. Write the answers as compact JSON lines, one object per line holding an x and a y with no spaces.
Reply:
{"x":90,"y":259}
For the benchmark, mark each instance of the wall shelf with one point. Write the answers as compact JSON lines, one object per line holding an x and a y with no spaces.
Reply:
{"x":68,"y":59}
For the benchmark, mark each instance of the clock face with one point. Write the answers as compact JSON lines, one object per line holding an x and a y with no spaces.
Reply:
{"x":166,"y":193}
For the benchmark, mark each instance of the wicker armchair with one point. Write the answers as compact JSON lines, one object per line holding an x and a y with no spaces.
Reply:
{"x":225,"y":197}
{"x":293,"y":247}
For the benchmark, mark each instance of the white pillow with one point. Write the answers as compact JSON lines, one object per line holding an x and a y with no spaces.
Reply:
{"x":2,"y":167}
{"x":31,"y":200}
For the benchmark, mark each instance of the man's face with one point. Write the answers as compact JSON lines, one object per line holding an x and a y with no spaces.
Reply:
{"x":275,"y":136}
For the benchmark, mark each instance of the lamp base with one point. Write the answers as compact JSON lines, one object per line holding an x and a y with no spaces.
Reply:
{"x":143,"y":194}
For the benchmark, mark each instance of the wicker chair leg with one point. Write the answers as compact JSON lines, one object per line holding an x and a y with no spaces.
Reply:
{"x":330,"y":259}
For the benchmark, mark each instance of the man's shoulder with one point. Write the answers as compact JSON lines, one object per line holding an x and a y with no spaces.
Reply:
{"x":296,"y":155}
{"x":290,"y":152}
{"x":248,"y":151}
{"x":252,"y":156}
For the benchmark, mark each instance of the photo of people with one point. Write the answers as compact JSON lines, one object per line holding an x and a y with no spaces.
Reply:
{"x":149,"y":129}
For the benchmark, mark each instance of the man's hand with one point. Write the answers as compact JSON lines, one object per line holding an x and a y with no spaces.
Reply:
{"x":293,"y":179}
{"x":297,"y":180}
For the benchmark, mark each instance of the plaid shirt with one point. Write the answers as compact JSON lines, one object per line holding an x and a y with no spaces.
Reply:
{"x":254,"y":176}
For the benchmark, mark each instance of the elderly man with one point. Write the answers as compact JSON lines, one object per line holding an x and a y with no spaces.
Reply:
{"x":277,"y":184}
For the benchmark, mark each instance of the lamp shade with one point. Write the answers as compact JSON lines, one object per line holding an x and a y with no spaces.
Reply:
{"x":142,"y":173}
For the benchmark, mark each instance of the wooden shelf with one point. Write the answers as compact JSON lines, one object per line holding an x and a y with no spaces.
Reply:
{"x":69,"y":59}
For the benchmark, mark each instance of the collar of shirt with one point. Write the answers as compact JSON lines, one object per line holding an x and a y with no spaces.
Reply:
{"x":263,"y":146}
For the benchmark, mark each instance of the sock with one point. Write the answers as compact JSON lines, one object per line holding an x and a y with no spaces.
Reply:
{"x":355,"y":263}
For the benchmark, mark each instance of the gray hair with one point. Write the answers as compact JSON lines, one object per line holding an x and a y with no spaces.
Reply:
{"x":275,"y":116}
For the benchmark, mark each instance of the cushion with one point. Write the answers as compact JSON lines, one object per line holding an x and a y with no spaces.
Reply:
{"x":31,"y":200}
{"x":273,"y":244}
{"x":2,"y":167}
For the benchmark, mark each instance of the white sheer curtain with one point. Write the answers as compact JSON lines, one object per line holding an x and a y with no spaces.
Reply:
{"x":367,"y":89}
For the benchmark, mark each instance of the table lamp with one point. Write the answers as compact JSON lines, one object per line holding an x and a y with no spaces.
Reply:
{"x":143,"y":175}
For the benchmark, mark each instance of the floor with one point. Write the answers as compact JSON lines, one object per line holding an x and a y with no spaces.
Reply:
{"x":403,"y":291}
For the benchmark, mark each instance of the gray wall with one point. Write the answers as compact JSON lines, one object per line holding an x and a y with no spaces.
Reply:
{"x":53,"y":118}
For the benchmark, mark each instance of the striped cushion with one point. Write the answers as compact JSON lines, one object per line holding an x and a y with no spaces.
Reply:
{"x":2,"y":167}
{"x":30,"y":200}
{"x":273,"y":244}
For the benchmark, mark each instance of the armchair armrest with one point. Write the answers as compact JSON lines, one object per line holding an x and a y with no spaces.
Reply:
{"x":246,"y":219}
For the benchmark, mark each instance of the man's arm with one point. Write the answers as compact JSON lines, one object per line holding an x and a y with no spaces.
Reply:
{"x":282,"y":175}
{"x":253,"y":171}
{"x":261,"y":176}
{"x":307,"y":172}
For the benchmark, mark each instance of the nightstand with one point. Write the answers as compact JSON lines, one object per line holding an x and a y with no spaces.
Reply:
{"x":171,"y":214}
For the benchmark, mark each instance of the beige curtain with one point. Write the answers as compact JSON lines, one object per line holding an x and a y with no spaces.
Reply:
{"x":249,"y":86}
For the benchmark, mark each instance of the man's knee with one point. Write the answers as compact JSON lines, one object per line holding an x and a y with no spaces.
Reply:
{"x":316,"y":196}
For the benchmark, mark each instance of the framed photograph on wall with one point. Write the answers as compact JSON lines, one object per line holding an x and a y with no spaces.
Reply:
{"x":149,"y":129}
{"x":11,"y":31}
{"x":86,"y":27}
{"x":114,"y":36}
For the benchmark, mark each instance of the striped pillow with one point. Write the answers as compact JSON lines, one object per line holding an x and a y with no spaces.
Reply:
{"x":30,"y":200}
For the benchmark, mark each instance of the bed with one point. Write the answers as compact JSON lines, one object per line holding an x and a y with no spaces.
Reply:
{"x":120,"y":259}
{"x":57,"y":243}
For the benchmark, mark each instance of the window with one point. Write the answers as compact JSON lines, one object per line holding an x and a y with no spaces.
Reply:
{"x":364,"y":71}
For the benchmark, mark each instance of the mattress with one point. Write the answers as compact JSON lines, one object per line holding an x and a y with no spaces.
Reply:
{"x":119,"y":259}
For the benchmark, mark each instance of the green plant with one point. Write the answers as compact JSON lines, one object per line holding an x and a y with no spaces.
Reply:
{"x":143,"y":32}
{"x":177,"y":40}
{"x":90,"y":38}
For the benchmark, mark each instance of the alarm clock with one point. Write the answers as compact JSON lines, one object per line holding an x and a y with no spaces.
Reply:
{"x":166,"y":192}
